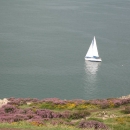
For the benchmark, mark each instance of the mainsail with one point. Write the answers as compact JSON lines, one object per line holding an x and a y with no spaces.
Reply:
{"x":92,"y":51}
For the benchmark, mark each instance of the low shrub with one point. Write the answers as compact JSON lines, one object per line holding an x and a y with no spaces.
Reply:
{"x":9,"y":109}
{"x":92,"y":124}
{"x":127,"y":110}
{"x":79,"y":114}
{"x":104,"y":104}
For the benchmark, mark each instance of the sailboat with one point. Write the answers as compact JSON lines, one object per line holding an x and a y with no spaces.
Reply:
{"x":92,"y":54}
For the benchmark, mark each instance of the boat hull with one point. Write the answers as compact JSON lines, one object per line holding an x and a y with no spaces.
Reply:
{"x":93,"y":59}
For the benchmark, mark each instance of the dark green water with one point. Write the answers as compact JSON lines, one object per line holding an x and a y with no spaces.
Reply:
{"x":43,"y":44}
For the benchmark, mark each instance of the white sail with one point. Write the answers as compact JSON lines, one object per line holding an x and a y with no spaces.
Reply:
{"x":90,"y":50}
{"x":95,"y":51}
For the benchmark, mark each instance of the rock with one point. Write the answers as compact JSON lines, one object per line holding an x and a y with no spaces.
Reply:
{"x":124,"y":97}
{"x":3,"y":102}
{"x":106,"y":116}
{"x":29,"y":103}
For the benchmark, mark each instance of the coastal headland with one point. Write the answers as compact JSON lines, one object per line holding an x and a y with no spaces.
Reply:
{"x":54,"y":113}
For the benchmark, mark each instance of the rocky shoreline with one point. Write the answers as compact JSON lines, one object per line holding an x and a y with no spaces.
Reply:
{"x":5,"y":100}
{"x":124,"y":97}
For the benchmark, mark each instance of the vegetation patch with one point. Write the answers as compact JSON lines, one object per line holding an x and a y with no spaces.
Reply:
{"x":53,"y":113}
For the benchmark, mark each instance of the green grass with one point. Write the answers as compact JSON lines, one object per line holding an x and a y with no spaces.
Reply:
{"x":119,"y":123}
{"x":114,"y":117}
{"x":26,"y":126}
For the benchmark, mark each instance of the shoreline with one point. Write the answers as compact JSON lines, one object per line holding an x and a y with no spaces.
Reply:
{"x":4,"y":101}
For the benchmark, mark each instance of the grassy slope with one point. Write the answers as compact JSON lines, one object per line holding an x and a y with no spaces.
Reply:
{"x":113,"y":117}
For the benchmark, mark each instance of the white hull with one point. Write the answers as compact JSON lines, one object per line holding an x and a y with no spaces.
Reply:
{"x":93,"y":59}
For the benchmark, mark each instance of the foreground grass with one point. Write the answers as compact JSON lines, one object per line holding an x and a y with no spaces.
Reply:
{"x":56,"y":114}
{"x":28,"y":126}
{"x":119,"y":123}
{"x":114,"y":118}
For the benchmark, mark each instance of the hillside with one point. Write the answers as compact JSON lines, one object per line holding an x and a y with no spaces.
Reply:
{"x":57,"y":114}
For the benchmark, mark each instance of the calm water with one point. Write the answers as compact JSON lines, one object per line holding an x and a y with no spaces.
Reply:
{"x":43,"y":44}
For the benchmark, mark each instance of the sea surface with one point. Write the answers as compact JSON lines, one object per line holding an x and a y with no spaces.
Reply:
{"x":43,"y":44}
